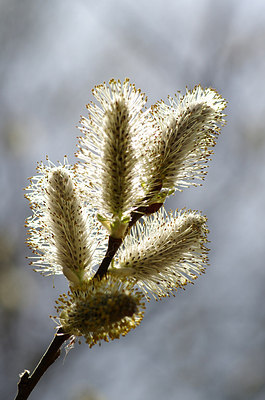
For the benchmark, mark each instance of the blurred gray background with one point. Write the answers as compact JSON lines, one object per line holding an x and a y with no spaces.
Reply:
{"x":209,"y":341}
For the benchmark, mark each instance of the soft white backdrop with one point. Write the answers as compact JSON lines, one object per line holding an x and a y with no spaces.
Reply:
{"x":209,"y":341}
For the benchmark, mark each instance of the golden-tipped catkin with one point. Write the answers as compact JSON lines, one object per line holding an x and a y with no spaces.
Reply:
{"x":165,"y":252}
{"x":101,"y":310}
{"x":60,"y":229}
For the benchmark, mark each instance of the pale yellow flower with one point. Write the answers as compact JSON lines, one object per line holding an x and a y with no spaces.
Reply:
{"x":176,"y":155}
{"x":164,"y":253}
{"x":109,"y":152}
{"x":101,"y":310}
{"x":61,"y":230}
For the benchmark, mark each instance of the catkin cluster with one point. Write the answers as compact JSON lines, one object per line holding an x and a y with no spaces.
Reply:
{"x":102,"y":222}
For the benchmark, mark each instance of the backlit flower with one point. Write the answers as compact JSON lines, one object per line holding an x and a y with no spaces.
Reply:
{"x":186,"y":129}
{"x":101,"y":310}
{"x":61,"y":230}
{"x":164,"y":253}
{"x":109,"y":153}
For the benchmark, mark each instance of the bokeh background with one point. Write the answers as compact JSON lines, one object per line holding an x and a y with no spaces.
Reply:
{"x":209,"y":341}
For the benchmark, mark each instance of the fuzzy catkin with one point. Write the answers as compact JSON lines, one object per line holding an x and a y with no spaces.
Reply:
{"x":165,"y":252}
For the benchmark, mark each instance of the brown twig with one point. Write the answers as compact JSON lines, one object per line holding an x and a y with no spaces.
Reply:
{"x":113,"y":246}
{"x":28,"y":382}
{"x":115,"y":243}
{"x":143,"y":210}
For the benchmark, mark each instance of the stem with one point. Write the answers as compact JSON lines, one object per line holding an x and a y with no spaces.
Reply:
{"x":115,"y":243}
{"x":28,"y":382}
{"x":150,"y":209}
{"x":143,"y":210}
{"x":113,"y":246}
